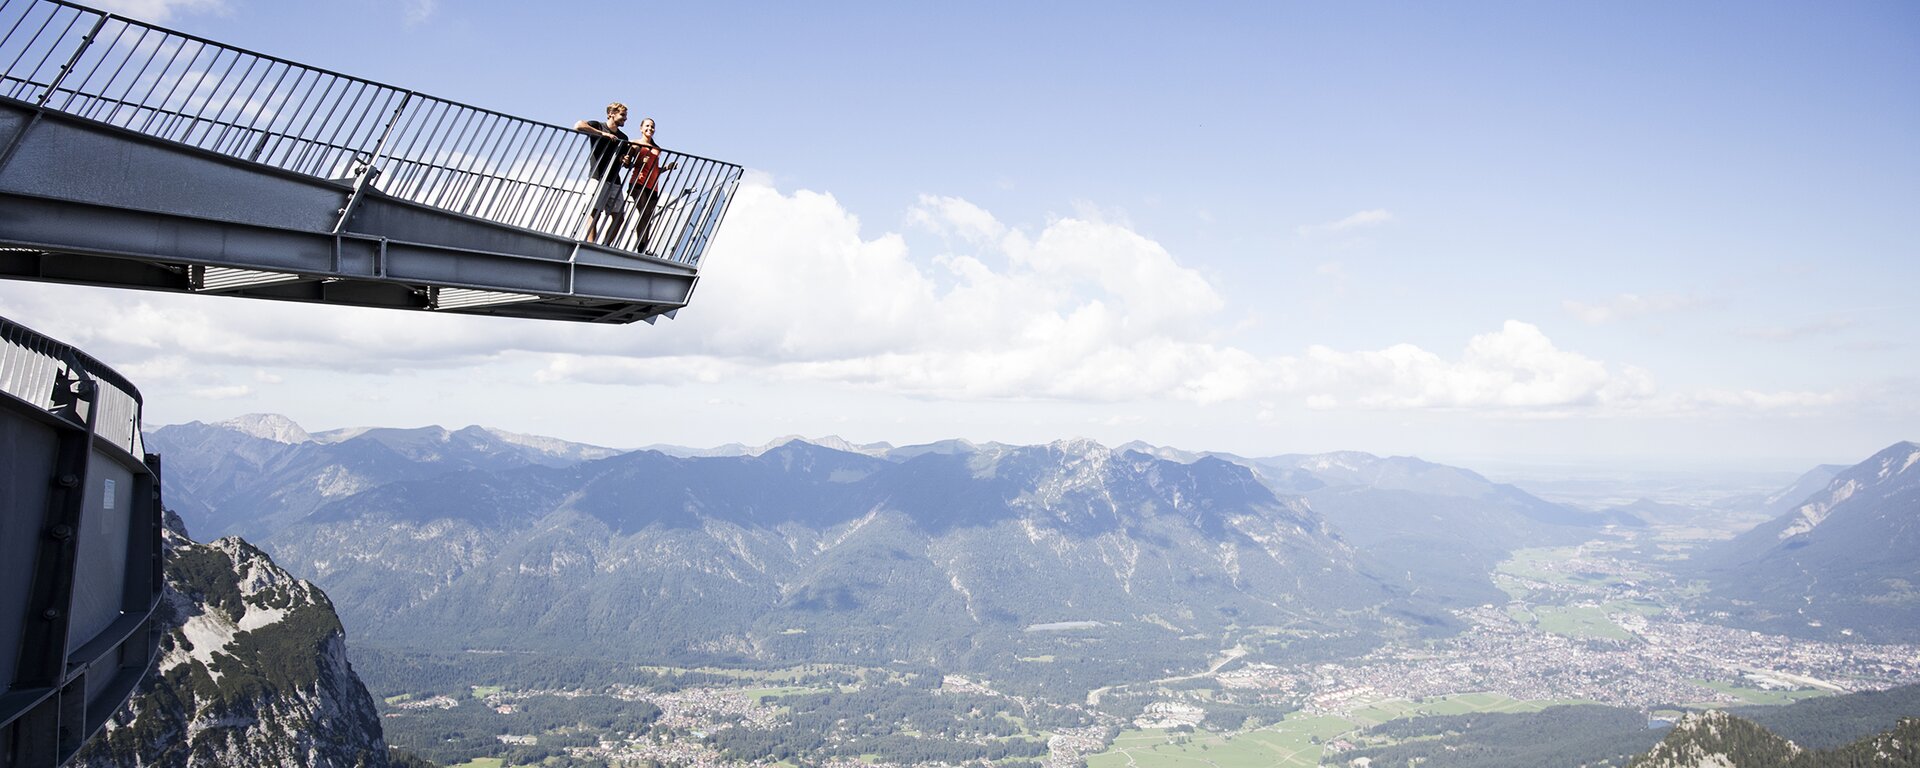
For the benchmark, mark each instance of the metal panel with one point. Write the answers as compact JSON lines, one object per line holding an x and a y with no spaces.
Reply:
{"x":105,"y":525}
{"x":26,"y":450}
{"x":69,"y":159}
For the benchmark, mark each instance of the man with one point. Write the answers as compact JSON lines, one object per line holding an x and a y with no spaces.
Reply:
{"x":606,"y":155}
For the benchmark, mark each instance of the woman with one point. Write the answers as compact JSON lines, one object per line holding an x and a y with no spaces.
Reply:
{"x":644,"y":186}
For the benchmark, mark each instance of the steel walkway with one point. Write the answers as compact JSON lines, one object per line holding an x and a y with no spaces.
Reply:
{"x":138,"y":157}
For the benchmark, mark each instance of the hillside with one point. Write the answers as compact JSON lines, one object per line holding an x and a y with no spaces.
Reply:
{"x":1842,"y":563}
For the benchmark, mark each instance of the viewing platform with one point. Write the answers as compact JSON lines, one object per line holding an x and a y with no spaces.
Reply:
{"x":80,"y":547}
{"x":134,"y":156}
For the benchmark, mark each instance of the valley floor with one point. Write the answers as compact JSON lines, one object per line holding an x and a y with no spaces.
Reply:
{"x":1592,"y":624}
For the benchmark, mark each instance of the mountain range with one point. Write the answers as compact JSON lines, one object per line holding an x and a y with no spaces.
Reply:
{"x":805,"y":552}
{"x":950,"y":552}
{"x":1842,"y":562}
{"x":251,"y":475}
{"x":954,"y":553}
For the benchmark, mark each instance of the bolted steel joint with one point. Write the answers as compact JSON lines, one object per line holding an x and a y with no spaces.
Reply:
{"x":68,"y":480}
{"x":61,"y":532}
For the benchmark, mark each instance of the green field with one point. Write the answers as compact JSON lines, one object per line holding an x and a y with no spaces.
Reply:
{"x":1641,"y":607}
{"x":1577,"y":622}
{"x":399,"y":698}
{"x":1458,"y":704}
{"x":483,"y":691}
{"x":787,"y":690}
{"x":1510,"y":585}
{"x":1526,"y":563}
{"x":1542,"y":565}
{"x":481,"y":762}
{"x":1761,"y":696}
{"x":1295,"y":741}
{"x":1287,"y":743}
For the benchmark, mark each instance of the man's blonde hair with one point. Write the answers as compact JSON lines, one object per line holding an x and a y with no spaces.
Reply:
{"x":615,"y":107}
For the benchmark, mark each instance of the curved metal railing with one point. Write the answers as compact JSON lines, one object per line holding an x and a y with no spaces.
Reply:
{"x":40,"y":372}
{"x":80,"y":547}
{"x":268,"y":110}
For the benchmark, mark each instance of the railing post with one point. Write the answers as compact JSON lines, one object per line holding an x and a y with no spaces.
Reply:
{"x":14,"y":144}
{"x":85,"y":42}
{"x":371,"y":170}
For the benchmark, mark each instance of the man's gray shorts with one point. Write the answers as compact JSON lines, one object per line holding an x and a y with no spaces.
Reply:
{"x":608,"y":200}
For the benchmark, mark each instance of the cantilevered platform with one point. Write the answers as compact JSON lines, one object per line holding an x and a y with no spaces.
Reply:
{"x":138,"y":157}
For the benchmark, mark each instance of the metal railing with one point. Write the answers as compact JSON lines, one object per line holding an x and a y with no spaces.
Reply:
{"x":43,"y":373}
{"x":403,"y":144}
{"x":80,"y":558}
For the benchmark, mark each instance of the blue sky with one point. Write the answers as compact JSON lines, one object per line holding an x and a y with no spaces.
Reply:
{"x":1630,"y":233}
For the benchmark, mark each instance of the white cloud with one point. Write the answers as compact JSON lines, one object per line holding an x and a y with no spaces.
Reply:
{"x":418,"y":11}
{"x":1825,"y":326}
{"x":160,"y":10}
{"x":1629,"y":305}
{"x":1083,"y":309}
{"x":956,"y":217}
{"x":227,"y":392}
{"x":1516,"y":367}
{"x":1360,"y":220}
{"x":1749,"y":400}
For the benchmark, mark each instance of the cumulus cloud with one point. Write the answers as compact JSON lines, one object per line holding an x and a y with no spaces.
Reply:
{"x":1516,"y":367}
{"x":1629,"y":305}
{"x":1081,"y":308}
{"x":160,"y":10}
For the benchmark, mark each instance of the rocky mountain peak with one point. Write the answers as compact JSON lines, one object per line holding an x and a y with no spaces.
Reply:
{"x":253,"y":671}
{"x":550,"y":446}
{"x":1896,"y":467}
{"x":831,"y":442}
{"x":1715,"y":739}
{"x":268,"y":426}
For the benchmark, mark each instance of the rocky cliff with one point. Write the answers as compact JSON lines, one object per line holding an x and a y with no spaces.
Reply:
{"x":253,"y":672}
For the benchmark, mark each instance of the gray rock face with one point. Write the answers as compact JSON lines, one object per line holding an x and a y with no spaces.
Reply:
{"x":253,"y":672}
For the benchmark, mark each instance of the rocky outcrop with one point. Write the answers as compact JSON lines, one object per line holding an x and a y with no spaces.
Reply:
{"x":1715,"y":739}
{"x":253,"y":672}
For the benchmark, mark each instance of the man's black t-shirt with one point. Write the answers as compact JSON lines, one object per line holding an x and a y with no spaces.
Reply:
{"x":604,"y":157}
